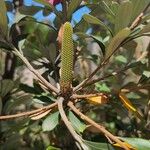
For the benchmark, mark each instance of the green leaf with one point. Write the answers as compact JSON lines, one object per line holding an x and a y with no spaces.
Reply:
{"x":121,"y":58}
{"x":50,"y":122}
{"x":52,"y":148}
{"x":3,"y":18}
{"x":116,"y":41}
{"x":50,"y":53}
{"x":138,"y":143}
{"x":17,"y":101}
{"x":48,"y":5}
{"x":123,"y":16}
{"x":146,"y":73}
{"x":93,"y":20}
{"x":100,"y":43}
{"x":98,"y":146}
{"x":5,"y":87}
{"x":102,"y":87}
{"x":139,"y":6}
{"x":107,"y":8}
{"x":72,"y":7}
{"x":77,"y":124}
{"x":29,"y":10}
{"x":114,"y":7}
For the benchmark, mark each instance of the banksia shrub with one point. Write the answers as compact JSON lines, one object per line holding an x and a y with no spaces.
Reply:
{"x":66,"y":58}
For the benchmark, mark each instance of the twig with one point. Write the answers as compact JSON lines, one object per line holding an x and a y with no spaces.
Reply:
{"x":136,"y":21}
{"x":136,"y":88}
{"x":86,"y":83}
{"x":105,"y":61}
{"x":68,"y":124}
{"x":87,"y":79}
{"x":107,"y":76}
{"x":139,"y":18}
{"x":76,"y":96}
{"x":35,"y":72}
{"x":28,"y":113}
{"x":99,"y":127}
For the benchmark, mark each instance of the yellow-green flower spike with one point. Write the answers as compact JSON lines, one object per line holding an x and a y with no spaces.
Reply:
{"x":66,"y":58}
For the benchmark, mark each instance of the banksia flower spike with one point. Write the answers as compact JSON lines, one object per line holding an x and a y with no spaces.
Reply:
{"x":66,"y":59}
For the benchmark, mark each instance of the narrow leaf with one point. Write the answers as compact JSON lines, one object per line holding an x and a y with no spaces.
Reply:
{"x":100,"y":43}
{"x":126,"y":144}
{"x":52,"y":148}
{"x":116,"y":41}
{"x":72,"y":7}
{"x":139,"y":6}
{"x":77,"y":124}
{"x":107,"y":8}
{"x":123,"y":16}
{"x":138,"y":143}
{"x":50,"y":122}
{"x":29,"y":10}
{"x":5,"y":87}
{"x":98,"y":100}
{"x":93,"y":20}
{"x":3,"y":18}
{"x":129,"y":105}
{"x":97,"y":146}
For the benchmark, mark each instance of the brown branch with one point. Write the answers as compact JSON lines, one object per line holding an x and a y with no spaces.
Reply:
{"x":68,"y":123}
{"x":28,"y":113}
{"x":136,"y":88}
{"x":76,"y":96}
{"x":99,"y":127}
{"x":136,"y":21}
{"x":35,"y":72}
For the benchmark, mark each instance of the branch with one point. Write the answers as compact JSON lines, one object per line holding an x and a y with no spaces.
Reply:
{"x":68,"y":124}
{"x":139,"y":18}
{"x":35,"y":72}
{"x":105,"y":61}
{"x":136,"y":88}
{"x":107,"y":76}
{"x":76,"y":96}
{"x":28,"y":113}
{"x":99,"y":127}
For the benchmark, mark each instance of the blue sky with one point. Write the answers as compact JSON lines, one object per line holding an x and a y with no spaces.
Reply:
{"x":76,"y":16}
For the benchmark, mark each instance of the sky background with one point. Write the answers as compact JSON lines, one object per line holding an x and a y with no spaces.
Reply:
{"x":39,"y":16}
